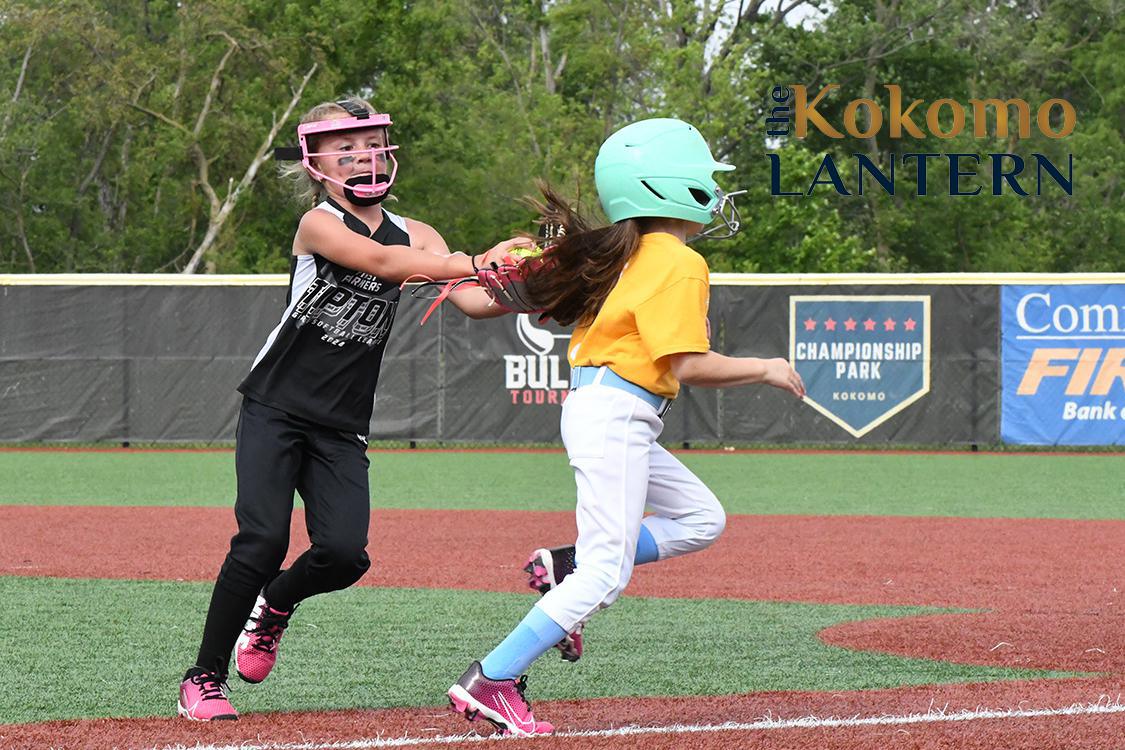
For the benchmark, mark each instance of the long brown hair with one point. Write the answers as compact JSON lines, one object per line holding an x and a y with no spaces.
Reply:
{"x":584,"y":263}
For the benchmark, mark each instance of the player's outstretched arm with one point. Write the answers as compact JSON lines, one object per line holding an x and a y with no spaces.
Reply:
{"x":324,"y":234}
{"x":474,"y":302}
{"x":713,"y":370}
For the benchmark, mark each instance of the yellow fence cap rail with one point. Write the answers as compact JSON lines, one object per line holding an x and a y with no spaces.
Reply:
{"x":725,"y":279}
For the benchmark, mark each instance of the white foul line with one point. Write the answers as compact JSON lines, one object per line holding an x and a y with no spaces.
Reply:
{"x":1104,"y":706}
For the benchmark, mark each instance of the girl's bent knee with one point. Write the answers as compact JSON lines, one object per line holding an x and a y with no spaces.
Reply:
{"x":715,"y":524}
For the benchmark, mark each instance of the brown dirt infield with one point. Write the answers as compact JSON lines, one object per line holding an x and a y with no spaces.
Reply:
{"x":1050,"y":591}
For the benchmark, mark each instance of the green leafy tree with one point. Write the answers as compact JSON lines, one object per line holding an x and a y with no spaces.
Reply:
{"x":134,"y":136}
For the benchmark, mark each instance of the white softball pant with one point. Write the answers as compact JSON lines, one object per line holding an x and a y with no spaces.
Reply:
{"x":610,"y":436}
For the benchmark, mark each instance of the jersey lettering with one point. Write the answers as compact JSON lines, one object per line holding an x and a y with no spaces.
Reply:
{"x":323,"y":360}
{"x":345,"y":315}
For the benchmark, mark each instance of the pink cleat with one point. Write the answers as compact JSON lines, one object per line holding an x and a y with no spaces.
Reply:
{"x":255,"y":652}
{"x":500,"y":702}
{"x":571,"y":645}
{"x":203,"y":697}
{"x":546,"y":569}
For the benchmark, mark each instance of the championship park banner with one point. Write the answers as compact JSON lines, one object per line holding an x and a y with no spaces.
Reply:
{"x":888,"y":359}
{"x":1064,"y":364}
{"x":864,"y":358}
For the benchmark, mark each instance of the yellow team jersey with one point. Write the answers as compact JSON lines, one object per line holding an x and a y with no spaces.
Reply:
{"x":657,"y":308}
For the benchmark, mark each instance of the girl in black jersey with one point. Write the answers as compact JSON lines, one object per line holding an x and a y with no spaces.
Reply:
{"x":308,"y":398}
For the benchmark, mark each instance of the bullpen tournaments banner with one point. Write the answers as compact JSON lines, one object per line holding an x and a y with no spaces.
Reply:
{"x":1063,"y":364}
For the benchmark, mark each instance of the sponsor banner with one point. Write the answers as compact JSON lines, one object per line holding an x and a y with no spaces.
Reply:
{"x":539,"y":372}
{"x":503,"y":379}
{"x":122,"y":357}
{"x":863,"y":358}
{"x":1063,"y":364}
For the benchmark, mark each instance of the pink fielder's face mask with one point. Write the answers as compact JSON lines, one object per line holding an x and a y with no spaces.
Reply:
{"x":364,"y":188}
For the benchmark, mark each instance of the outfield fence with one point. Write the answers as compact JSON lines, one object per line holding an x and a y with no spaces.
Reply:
{"x":935,"y":359}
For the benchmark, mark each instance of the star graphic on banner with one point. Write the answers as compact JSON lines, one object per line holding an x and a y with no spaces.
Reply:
{"x":849,"y":324}
{"x":909,"y":324}
{"x":869,"y":325}
{"x":830,"y":325}
{"x":889,"y":324}
{"x":810,"y":324}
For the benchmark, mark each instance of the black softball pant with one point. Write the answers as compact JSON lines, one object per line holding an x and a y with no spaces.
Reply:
{"x":277,"y":453}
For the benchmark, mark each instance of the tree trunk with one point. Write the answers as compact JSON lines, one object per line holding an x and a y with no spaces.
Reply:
{"x":221,"y":210}
{"x":21,"y":230}
{"x":16,"y":93}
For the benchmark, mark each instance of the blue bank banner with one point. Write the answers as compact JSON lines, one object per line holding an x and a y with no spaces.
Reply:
{"x":1063,"y":364}
{"x":863,"y":358}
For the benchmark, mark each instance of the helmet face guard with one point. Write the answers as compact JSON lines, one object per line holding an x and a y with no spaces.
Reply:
{"x":361,"y":189}
{"x":725,"y":216}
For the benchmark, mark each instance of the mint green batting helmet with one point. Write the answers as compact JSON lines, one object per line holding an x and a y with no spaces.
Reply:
{"x":659,"y":167}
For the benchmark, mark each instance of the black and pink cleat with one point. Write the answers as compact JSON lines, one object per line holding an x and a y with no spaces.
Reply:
{"x":256,"y":650}
{"x":500,"y":702}
{"x":546,"y":568}
{"x":203,"y":697}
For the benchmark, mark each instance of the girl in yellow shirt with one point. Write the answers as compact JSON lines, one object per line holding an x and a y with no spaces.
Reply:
{"x":638,"y":296}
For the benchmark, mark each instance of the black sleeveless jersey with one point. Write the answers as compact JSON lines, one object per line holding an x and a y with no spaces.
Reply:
{"x":322,"y":361}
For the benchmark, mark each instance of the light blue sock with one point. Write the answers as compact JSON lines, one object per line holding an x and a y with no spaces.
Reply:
{"x":533,"y":637}
{"x":646,"y":548}
{"x":537,"y":632}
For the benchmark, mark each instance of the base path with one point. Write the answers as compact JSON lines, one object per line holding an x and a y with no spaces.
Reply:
{"x":1009,"y":715}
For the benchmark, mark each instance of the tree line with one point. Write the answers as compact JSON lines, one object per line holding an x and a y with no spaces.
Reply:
{"x":137,"y":135}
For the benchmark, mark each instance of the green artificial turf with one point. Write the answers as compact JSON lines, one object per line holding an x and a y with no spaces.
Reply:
{"x":95,"y":648}
{"x":1019,"y":485}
